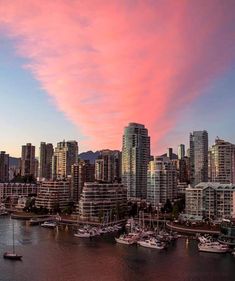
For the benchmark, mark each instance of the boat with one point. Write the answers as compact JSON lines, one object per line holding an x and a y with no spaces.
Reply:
{"x":49,"y":224}
{"x":3,"y":211}
{"x":151,"y":243}
{"x":213,"y":247}
{"x":127,"y":239}
{"x":83,"y":233}
{"x":12,"y":255}
{"x":34,"y":222}
{"x":205,"y":238}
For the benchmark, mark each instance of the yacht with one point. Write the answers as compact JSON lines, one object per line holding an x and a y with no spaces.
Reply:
{"x":12,"y":255}
{"x":126,"y":239}
{"x":49,"y":224}
{"x":151,"y":243}
{"x":85,"y":233}
{"x":213,"y":247}
{"x":205,"y":238}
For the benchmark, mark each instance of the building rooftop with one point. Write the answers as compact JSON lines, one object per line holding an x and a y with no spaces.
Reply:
{"x":214,"y":185}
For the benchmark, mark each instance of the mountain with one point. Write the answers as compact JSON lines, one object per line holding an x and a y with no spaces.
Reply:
{"x":89,"y":155}
{"x":174,"y":156}
{"x":13,"y":161}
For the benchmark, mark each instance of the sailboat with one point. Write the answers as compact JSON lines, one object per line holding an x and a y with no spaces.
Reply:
{"x":12,"y":255}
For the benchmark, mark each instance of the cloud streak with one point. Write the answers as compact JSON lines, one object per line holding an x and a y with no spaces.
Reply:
{"x":107,"y":63}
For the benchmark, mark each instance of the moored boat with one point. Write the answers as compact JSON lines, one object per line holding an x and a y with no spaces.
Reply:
{"x":125,"y":239}
{"x":49,"y":224}
{"x":151,"y":243}
{"x":12,"y":256}
{"x":213,"y":247}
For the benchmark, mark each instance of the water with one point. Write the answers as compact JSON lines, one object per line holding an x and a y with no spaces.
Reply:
{"x":51,"y":255}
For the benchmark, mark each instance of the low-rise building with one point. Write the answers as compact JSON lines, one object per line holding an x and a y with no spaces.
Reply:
{"x":53,"y":195}
{"x":12,"y":191}
{"x":211,"y":200}
{"x":99,"y":200}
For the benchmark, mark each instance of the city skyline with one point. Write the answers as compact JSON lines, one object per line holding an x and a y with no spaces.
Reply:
{"x":39,"y":74}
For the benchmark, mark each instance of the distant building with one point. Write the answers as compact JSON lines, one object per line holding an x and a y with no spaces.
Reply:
{"x":135,"y":158}
{"x":108,"y":166}
{"x":211,"y":200}
{"x":181,"y":151}
{"x":162,"y":181}
{"x":170,"y":153}
{"x":65,"y":155}
{"x":222,"y":162}
{"x":99,"y":200}
{"x":45,"y":161}
{"x":198,"y":157}
{"x":181,"y":189}
{"x":183,"y":170}
{"x":53,"y":195}
{"x":4,"y":166}
{"x":28,"y":160}
{"x":82,"y":172}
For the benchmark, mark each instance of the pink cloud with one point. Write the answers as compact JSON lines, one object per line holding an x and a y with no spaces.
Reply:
{"x":108,"y":63}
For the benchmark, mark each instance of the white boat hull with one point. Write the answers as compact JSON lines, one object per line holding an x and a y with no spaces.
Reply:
{"x":152,"y":246}
{"x":81,"y":235}
{"x":212,"y":249}
{"x":124,"y":241}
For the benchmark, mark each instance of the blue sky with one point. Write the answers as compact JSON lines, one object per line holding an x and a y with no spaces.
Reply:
{"x":27,"y":113}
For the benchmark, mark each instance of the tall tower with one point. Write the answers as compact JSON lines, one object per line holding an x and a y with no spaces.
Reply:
{"x":181,"y":151}
{"x":82,"y":172}
{"x":45,"y":160}
{"x":28,"y":160}
{"x":162,"y":181}
{"x":4,"y":166}
{"x":108,"y":166}
{"x":198,"y":157}
{"x":135,"y":158}
{"x":65,"y":155}
{"x":222,"y":162}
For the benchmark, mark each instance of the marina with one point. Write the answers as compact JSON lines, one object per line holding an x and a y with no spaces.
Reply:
{"x":59,"y":253}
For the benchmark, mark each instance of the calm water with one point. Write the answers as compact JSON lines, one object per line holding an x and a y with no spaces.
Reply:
{"x":51,"y":255}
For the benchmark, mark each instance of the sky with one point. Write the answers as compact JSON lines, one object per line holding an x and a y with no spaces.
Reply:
{"x":84,"y":69}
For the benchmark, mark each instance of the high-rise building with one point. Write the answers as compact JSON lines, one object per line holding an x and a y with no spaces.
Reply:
{"x":4,"y":166}
{"x":65,"y":155}
{"x":170,"y":153}
{"x":181,"y":151}
{"x":183,"y":170}
{"x":222,"y":162}
{"x":198,"y":157}
{"x":82,"y":172}
{"x":108,"y":166}
{"x":28,"y":160}
{"x":45,"y":160}
{"x":162,"y":181}
{"x":135,"y":158}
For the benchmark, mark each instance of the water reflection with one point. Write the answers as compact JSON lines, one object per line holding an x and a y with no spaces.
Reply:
{"x":56,"y":255}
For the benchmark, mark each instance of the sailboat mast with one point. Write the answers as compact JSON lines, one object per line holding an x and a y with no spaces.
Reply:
{"x":13,"y":237}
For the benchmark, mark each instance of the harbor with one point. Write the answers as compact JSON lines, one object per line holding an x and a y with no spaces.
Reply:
{"x":49,"y":254}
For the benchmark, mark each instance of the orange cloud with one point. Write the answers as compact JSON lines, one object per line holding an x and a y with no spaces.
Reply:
{"x":108,"y":63}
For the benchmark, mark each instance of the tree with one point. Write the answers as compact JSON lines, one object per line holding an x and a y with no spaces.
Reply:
{"x":168,"y":206}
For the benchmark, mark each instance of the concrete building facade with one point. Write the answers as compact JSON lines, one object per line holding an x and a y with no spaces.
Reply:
{"x":135,"y":159}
